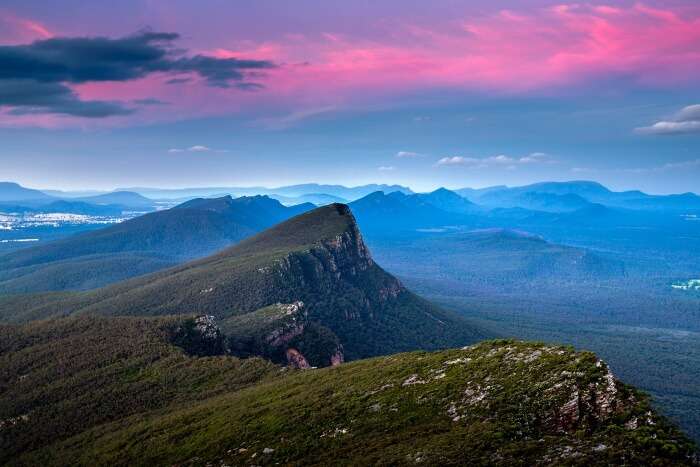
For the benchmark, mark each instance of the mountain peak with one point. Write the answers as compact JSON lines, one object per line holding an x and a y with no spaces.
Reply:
{"x":312,"y":227}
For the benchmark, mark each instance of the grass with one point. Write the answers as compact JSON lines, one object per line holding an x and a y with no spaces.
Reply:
{"x":499,"y":402}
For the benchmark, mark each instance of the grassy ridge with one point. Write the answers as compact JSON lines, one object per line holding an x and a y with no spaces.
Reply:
{"x":61,"y":377}
{"x":500,"y":402}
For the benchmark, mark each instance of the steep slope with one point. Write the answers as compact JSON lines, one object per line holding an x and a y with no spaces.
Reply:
{"x":119,"y":391}
{"x":318,"y":258}
{"x":143,"y":244}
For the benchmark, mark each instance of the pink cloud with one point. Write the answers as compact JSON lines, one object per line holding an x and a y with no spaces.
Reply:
{"x":510,"y":51}
{"x":17,"y":30}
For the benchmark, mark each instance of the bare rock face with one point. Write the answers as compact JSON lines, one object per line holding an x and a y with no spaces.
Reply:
{"x":206,"y":326}
{"x":296,"y":359}
{"x":593,"y":404}
{"x":336,"y":264}
{"x":337,"y":358}
{"x":292,"y":321}
{"x":200,"y":336}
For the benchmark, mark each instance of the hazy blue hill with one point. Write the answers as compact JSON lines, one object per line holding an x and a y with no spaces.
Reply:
{"x":681,"y":202}
{"x":318,"y":199}
{"x":10,"y":191}
{"x":397,"y":211}
{"x":82,"y":207}
{"x":317,"y":258}
{"x":348,"y":193}
{"x":492,"y":258}
{"x":126,"y":199}
{"x":567,"y":196}
{"x":293,"y":191}
{"x":150,"y":242}
{"x":534,"y":200}
{"x":448,"y":201}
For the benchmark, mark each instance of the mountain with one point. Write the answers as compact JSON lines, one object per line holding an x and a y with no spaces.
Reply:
{"x":569,"y":196}
{"x":89,"y":390}
{"x":348,"y":193}
{"x":318,"y":199}
{"x":448,"y":201}
{"x":385,"y":213}
{"x":485,"y":259}
{"x":534,"y":200}
{"x":13,"y":192}
{"x":82,"y":207}
{"x":291,"y":191}
{"x":126,"y":199}
{"x":318,"y":259}
{"x":140,"y":245}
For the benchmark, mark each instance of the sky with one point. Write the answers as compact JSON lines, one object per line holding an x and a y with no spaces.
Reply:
{"x":104,"y":94}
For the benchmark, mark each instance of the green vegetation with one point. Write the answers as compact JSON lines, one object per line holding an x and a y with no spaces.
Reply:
{"x":59,"y":378}
{"x":116,"y":391}
{"x":141,"y":245}
{"x":317,"y":258}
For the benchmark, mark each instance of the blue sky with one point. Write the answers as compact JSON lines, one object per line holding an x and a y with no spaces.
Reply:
{"x":467,"y":94}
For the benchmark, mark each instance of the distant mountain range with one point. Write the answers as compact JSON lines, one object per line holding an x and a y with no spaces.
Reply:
{"x":292,"y":191}
{"x":140,"y":245}
{"x":569,"y":196}
{"x":14,"y":197}
{"x":545,"y":197}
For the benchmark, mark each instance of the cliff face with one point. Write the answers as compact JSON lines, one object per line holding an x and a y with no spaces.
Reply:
{"x":337,"y":266}
{"x":284,"y":334}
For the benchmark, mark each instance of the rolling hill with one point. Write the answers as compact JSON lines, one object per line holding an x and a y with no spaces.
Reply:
{"x":140,"y":245}
{"x":125,"y":199}
{"x":12,"y":193}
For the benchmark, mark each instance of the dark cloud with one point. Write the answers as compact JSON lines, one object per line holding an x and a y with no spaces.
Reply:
{"x":250,"y":86}
{"x":150,"y":101}
{"x":35,"y":77}
{"x":178,"y":81}
{"x":33,"y":97}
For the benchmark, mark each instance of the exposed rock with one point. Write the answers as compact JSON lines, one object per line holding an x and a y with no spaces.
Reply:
{"x":337,"y":358}
{"x":296,"y":359}
{"x":413,"y":379}
{"x":200,"y":336}
{"x":206,"y":326}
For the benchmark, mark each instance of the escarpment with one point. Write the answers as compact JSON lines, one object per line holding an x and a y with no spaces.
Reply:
{"x":352,"y":307}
